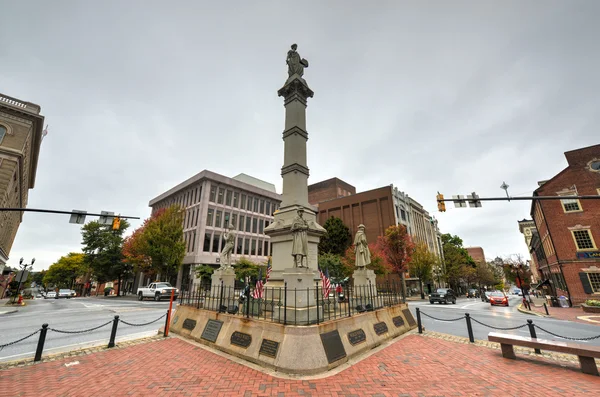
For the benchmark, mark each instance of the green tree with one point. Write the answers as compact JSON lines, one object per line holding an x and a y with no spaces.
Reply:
{"x":459,"y":263}
{"x":334,"y":265}
{"x":62,"y":273}
{"x":338,"y":237}
{"x":421,"y":264}
{"x":102,"y":247}
{"x":163,"y":241}
{"x":245,"y":269}
{"x":203,"y":272}
{"x":38,"y":277}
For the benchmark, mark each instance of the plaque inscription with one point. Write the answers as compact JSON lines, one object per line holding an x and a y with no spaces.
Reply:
{"x":241,"y":339}
{"x":211,"y":330}
{"x":190,"y":324}
{"x":269,"y":348}
{"x":398,"y":321}
{"x":380,"y":328}
{"x":356,"y":337}
{"x":332,"y":343}
{"x":409,"y":317}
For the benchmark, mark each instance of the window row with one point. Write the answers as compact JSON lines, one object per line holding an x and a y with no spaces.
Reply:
{"x":222,"y":219}
{"x":191,"y":218}
{"x":213,"y":243}
{"x":184,"y":199}
{"x":190,"y":241}
{"x":221,"y":195}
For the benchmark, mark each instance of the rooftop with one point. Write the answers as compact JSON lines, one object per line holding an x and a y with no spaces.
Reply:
{"x":255,"y":181}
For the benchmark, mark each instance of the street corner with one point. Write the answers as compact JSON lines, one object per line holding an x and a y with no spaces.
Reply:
{"x":531,"y":312}
{"x":590,"y":319}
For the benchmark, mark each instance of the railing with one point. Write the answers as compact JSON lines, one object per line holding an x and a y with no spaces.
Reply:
{"x":19,"y":104}
{"x":285,"y":305}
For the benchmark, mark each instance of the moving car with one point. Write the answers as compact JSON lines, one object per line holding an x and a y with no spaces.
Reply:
{"x":498,"y":298}
{"x":486,"y":296}
{"x":443,"y":295}
{"x":157,"y":290}
{"x":473,"y":293}
{"x":50,"y":294}
{"x":64,"y":293}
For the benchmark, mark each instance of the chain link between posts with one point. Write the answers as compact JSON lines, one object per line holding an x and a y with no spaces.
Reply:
{"x":79,"y":332}
{"x":141,"y":325}
{"x":565,"y":337}
{"x":442,"y":319}
{"x":17,"y":341}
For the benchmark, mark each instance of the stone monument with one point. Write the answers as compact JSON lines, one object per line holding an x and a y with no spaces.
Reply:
{"x":225,"y":272}
{"x":295,"y":232}
{"x":364,"y":279}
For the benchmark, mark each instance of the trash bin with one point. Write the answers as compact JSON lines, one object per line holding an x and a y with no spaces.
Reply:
{"x":563,"y":301}
{"x":554,"y":301}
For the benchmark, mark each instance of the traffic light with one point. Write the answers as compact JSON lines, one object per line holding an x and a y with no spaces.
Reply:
{"x":116,"y":223}
{"x":441,"y":204}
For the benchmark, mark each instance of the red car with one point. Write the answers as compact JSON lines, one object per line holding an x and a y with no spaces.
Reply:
{"x":498,"y":298}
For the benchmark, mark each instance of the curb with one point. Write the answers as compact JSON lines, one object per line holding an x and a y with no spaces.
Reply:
{"x":9,"y":311}
{"x":525,"y":311}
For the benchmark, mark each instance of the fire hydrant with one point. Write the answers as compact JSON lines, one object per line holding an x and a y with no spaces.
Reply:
{"x":20,"y":301}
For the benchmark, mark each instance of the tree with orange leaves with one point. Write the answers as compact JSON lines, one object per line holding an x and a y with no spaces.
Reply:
{"x":396,"y":247}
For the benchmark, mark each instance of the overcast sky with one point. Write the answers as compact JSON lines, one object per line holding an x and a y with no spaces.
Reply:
{"x":425,"y":95}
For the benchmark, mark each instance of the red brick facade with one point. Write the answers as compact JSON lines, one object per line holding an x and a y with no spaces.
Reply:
{"x":573,"y":268}
{"x":477,"y":254}
{"x":329,"y":189}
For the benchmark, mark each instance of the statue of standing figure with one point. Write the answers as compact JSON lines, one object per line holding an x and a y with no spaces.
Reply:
{"x":300,"y":239}
{"x":229,"y":238}
{"x":295,"y":64}
{"x":361,"y":248}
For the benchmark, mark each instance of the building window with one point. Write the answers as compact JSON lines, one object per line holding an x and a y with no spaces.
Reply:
{"x":594,"y":281}
{"x":262,"y":206}
{"x":266,"y":246}
{"x":197,"y":211}
{"x":194,"y":241}
{"x":571,"y":205}
{"x":403,"y":215}
{"x":248,"y":224}
{"x":220,"y":197}
{"x":226,"y":221}
{"x":268,"y":208}
{"x":249,"y":203}
{"x":260,"y":245}
{"x":236,"y":196}
{"x":213,"y":193}
{"x":3,"y":131}
{"x":234,"y":220}
{"x":228,"y":198}
{"x":238,"y":247}
{"x":243,"y":202}
{"x":255,"y":225}
{"x":261,"y":226}
{"x":218,"y":219}
{"x":256,"y":205}
{"x":246,"y":246}
{"x":215,"y":244}
{"x":266,"y":224}
{"x":583,"y":240}
{"x":209,"y":217}
{"x":206,"y":247}
{"x":241,"y":227}
{"x":253,"y":251}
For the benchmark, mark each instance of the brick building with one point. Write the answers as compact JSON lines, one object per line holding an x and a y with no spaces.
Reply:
{"x":527,"y":228}
{"x":565,"y":246}
{"x":328,"y":190}
{"x":477,"y":254}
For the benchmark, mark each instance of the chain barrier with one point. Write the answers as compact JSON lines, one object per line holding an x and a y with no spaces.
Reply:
{"x":499,"y":328}
{"x":17,"y":341}
{"x":442,"y":319}
{"x":565,"y":337}
{"x":141,"y":325}
{"x":79,"y":332}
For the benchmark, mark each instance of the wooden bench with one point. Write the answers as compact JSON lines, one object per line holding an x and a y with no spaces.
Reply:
{"x":586,"y":354}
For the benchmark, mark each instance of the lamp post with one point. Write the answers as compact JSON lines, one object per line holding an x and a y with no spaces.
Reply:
{"x":23,"y":267}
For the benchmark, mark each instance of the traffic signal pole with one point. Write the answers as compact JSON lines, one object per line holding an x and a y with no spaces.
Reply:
{"x":63,"y":212}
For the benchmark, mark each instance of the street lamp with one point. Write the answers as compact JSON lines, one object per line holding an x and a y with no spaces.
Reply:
{"x":23,"y":267}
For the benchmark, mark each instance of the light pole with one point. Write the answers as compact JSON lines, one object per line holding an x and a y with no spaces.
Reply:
{"x":23,"y":267}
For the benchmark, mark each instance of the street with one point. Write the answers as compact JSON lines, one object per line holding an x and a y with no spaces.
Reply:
{"x":73,"y":315}
{"x":497,"y":316}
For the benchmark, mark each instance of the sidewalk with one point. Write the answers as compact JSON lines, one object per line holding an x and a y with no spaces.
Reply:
{"x":415,"y":365}
{"x":565,"y":313}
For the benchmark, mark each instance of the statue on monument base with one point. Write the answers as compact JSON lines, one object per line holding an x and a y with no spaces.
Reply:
{"x":295,"y":64}
{"x":361,"y":248}
{"x":300,"y":239}
{"x":229,"y":238}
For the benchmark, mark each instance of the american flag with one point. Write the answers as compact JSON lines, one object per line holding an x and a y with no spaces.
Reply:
{"x":45,"y":132}
{"x":269,"y":268}
{"x":258,"y":289}
{"x":325,"y":281}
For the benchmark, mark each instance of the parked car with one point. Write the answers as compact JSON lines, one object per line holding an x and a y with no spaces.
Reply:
{"x":486,"y":296}
{"x":498,"y":298}
{"x":443,"y":295}
{"x":473,"y":293}
{"x":63,"y":293}
{"x":73,"y":293}
{"x":157,"y":290}
{"x":50,"y":294}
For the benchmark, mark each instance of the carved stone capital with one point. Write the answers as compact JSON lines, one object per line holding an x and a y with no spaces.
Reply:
{"x":295,"y":130}
{"x":295,"y":89}
{"x":294,"y":168}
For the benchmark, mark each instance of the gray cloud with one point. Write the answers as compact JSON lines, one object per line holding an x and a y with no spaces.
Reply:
{"x":448,"y":96}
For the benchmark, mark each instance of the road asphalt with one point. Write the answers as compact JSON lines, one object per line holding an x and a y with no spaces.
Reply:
{"x":73,"y":315}
{"x":497,"y":316}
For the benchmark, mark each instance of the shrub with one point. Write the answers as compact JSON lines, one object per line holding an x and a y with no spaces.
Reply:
{"x":592,"y":302}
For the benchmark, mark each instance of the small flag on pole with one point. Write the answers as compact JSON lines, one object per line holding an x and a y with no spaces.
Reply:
{"x":258,"y":289}
{"x":269,"y":268}
{"x":325,"y":281}
{"x":45,"y":132}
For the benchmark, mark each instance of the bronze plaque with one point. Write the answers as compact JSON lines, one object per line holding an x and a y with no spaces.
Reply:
{"x":269,"y":348}
{"x":188,"y":323}
{"x":211,"y":330}
{"x":241,"y":339}
{"x":398,"y":321}
{"x":409,"y":317}
{"x":332,"y":343}
{"x":380,"y":328}
{"x":356,"y":337}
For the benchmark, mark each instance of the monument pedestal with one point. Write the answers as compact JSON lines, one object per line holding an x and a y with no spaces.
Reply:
{"x":300,"y":297}
{"x":365,"y":287}
{"x":227,"y":276}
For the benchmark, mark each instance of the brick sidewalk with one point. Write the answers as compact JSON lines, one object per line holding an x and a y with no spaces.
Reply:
{"x":567,"y":313}
{"x":413,"y":366}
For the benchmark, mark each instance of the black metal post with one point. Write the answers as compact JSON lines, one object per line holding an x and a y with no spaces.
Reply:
{"x":166,"y":330}
{"x":348,"y":300}
{"x":317,"y":291}
{"x":419,"y":321}
{"x":41,"y":341}
{"x":221,"y":297}
{"x":546,"y":309}
{"x":469,"y":328}
{"x":113,"y":332}
{"x":533,"y":335}
{"x":285,"y":303}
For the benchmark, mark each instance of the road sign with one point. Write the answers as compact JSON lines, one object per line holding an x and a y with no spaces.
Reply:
{"x":78,"y":218}
{"x":459,"y":201}
{"x":474,"y":202}
{"x":106,"y":218}
{"x":22,"y":275}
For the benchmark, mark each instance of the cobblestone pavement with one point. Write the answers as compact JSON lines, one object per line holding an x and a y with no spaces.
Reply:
{"x":412,"y":366}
